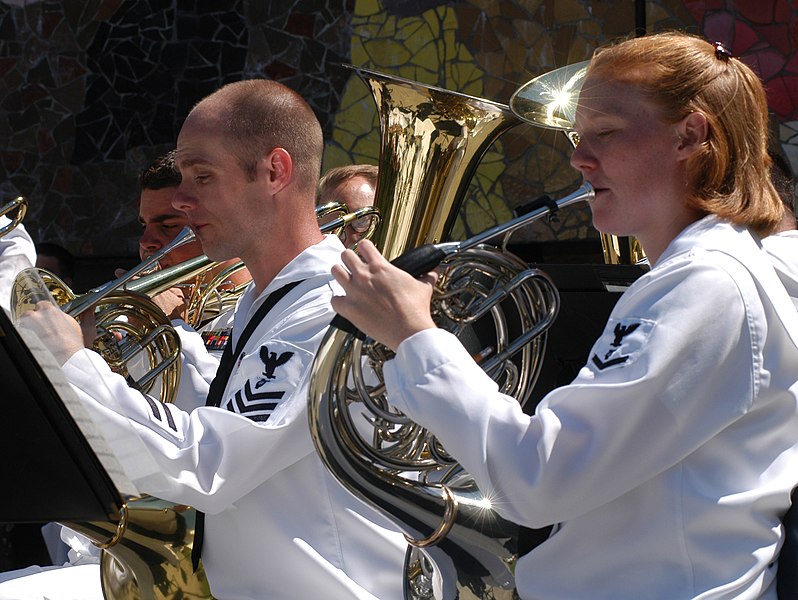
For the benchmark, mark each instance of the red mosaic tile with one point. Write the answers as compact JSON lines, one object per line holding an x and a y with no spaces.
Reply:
{"x":769,"y":62}
{"x":757,"y":11}
{"x":782,"y":94}
{"x":777,"y":35}
{"x":744,"y":38}
{"x":698,"y":8}
{"x":719,"y":27}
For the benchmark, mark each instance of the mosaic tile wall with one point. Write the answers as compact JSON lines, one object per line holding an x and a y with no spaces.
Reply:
{"x":92,"y":90}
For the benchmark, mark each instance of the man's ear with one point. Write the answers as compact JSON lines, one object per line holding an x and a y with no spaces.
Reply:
{"x":693,"y":131}
{"x":279,"y":168}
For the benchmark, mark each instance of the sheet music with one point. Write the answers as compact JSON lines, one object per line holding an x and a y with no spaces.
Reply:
{"x":82,"y":418}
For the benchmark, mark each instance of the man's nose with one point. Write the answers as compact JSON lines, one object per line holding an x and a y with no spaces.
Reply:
{"x":183,"y":201}
{"x":149,"y":242}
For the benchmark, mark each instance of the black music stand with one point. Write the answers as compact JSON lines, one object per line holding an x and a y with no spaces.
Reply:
{"x":49,"y":469}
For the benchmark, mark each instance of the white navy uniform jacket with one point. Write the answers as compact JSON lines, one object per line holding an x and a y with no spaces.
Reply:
{"x":277,"y":524}
{"x":197,"y":370}
{"x":783,"y":250}
{"x":667,"y":463}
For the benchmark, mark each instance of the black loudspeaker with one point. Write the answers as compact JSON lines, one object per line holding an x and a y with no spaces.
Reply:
{"x":588,"y":294}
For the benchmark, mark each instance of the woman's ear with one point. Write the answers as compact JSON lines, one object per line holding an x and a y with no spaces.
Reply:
{"x":693,"y":131}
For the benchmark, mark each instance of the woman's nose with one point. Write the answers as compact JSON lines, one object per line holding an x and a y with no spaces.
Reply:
{"x":582,"y":159}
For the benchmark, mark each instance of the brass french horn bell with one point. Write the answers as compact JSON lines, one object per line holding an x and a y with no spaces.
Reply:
{"x":144,"y":330}
{"x":146,"y":555}
{"x":549,"y":101}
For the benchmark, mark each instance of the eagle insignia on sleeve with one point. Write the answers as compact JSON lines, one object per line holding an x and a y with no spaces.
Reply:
{"x":271,"y":361}
{"x":621,"y":342}
{"x":266,"y":378}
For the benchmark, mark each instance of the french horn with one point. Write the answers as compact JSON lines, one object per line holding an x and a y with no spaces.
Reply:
{"x":459,"y":546}
{"x":500,"y":309}
{"x":18,"y":204}
{"x":129,"y":325}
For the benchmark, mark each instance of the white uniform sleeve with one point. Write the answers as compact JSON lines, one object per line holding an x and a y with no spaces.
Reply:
{"x":198,"y":368}
{"x":672,"y":368}
{"x":210,"y":457}
{"x":17,"y":252}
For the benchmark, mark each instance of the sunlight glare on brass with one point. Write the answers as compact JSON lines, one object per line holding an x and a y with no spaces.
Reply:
{"x":549,"y":100}
{"x":486,"y":503}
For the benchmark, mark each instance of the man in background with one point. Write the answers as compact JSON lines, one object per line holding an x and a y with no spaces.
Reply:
{"x":161,"y":223}
{"x":353,"y":186}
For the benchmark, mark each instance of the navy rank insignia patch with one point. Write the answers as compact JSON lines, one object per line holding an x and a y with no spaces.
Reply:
{"x":257,"y":406}
{"x":268,"y":377}
{"x":621,"y":343}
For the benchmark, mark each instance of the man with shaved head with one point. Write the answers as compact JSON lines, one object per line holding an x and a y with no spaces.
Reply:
{"x":276,"y":523}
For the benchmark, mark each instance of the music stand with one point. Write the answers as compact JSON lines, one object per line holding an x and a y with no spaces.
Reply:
{"x":54,"y":466}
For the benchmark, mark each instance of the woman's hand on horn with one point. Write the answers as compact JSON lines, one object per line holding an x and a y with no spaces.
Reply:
{"x":384,"y":302}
